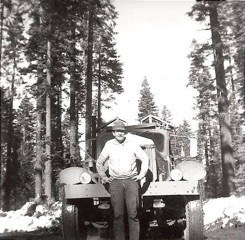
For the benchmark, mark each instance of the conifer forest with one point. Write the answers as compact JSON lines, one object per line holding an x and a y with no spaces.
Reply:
{"x":60,"y":68}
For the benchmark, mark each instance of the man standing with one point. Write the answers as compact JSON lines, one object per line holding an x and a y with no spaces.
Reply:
{"x":121,"y":155}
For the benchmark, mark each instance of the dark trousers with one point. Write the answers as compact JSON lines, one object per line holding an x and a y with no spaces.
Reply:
{"x":125,"y":191}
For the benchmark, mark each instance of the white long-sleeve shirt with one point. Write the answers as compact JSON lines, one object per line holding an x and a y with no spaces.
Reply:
{"x":121,"y":159}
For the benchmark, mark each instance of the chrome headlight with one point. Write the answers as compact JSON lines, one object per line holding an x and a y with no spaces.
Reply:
{"x":85,"y":178}
{"x":176,"y":175}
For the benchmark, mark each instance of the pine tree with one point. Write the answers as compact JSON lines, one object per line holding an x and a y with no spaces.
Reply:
{"x":207,"y":138}
{"x":5,"y":106}
{"x":24,"y":177}
{"x":234,"y":16}
{"x":47,"y":7}
{"x":13,"y":44}
{"x":223,"y":104}
{"x":237,"y":16}
{"x":166,"y":114}
{"x":183,"y":142}
{"x":147,"y":104}
{"x":35,"y":56}
{"x":89,"y":80}
{"x":107,"y":67}
{"x":209,"y":12}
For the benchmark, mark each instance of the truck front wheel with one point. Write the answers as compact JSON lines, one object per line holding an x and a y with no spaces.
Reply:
{"x":194,"y":221}
{"x":72,"y":223}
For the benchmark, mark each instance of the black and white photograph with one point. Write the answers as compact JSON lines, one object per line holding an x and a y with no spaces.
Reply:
{"x":122,"y":120}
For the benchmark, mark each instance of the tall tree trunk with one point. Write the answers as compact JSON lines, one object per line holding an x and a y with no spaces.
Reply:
{"x":223,"y":105}
{"x":1,"y":42}
{"x":73,"y":142}
{"x":213,"y":163}
{"x":93,"y":137}
{"x":1,"y":100}
{"x":48,"y":167}
{"x":39,"y":150}
{"x":88,"y":114}
{"x":38,"y":168}
{"x":59,"y":125}
{"x":99,"y":95}
{"x":1,"y":35}
{"x":207,"y":160}
{"x":243,"y":87}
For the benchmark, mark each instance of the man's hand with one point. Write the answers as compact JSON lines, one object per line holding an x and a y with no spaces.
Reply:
{"x":107,"y":180}
{"x":137,"y":178}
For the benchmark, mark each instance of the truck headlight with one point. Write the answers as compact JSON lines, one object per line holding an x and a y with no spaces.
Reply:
{"x":158,"y":203}
{"x":176,"y":175}
{"x":85,"y":178}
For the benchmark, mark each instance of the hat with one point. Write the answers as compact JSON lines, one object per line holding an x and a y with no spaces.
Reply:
{"x":118,"y":126}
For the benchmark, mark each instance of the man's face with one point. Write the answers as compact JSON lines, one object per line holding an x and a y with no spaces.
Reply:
{"x":119,"y":135}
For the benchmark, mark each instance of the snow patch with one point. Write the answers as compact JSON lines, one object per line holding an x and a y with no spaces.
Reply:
{"x":224,"y":212}
{"x":46,"y":216}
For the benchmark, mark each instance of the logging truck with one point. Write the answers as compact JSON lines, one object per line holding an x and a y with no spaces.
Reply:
{"x":171,"y":193}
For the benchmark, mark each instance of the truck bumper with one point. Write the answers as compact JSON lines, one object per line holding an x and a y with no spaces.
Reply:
{"x":154,"y":189}
{"x":172,"y":188}
{"x":85,"y":191}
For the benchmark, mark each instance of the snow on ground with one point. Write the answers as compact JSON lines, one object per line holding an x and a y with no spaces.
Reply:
{"x":45,"y":217}
{"x":220,"y":212}
{"x":224,"y":212}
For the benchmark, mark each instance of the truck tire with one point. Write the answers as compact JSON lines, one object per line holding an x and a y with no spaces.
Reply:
{"x":72,"y":224}
{"x":102,"y":227}
{"x":194,"y":221}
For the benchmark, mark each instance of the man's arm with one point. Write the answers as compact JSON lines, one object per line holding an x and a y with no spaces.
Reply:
{"x":142,"y":156}
{"x":100,"y":164}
